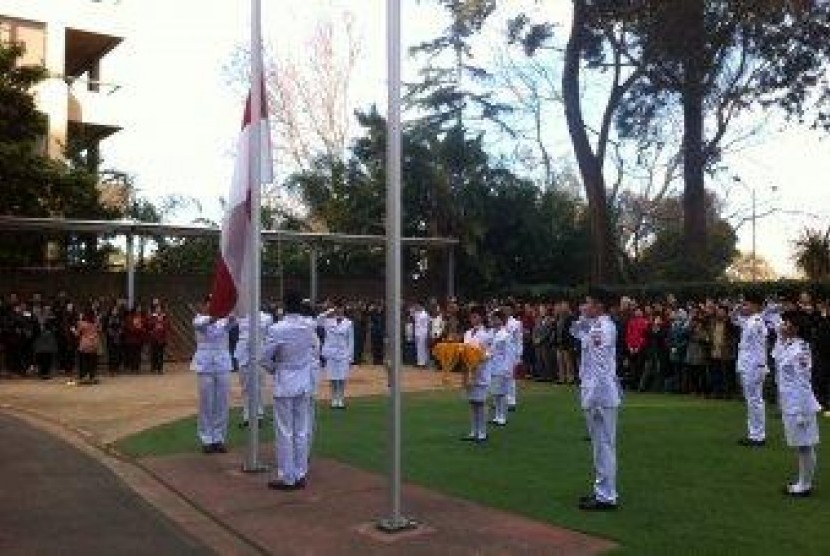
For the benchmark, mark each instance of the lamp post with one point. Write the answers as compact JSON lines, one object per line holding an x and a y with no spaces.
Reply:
{"x":753,"y":192}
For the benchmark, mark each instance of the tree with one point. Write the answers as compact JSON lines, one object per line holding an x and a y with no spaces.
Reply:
{"x":812,"y":253}
{"x":747,"y":268}
{"x":452,"y":90}
{"x":711,"y":61}
{"x":510,"y":230}
{"x":662,"y":257}
{"x":586,"y":44}
{"x":32,"y":184}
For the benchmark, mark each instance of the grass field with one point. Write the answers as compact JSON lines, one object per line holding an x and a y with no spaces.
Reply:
{"x":686,"y":487}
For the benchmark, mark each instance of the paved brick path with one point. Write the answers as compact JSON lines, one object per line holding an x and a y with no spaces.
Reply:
{"x":123,"y":405}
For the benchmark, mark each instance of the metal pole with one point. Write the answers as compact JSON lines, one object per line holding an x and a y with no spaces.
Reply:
{"x":312,"y":271}
{"x":252,"y":463}
{"x":395,"y":522}
{"x":130,"y":260}
{"x":450,"y":272}
{"x":754,"y":220}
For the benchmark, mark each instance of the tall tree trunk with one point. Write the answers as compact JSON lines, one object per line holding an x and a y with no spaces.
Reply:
{"x":603,"y":267}
{"x":694,"y":192}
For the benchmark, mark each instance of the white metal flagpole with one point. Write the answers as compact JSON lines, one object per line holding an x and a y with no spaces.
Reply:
{"x":395,"y":522}
{"x":252,"y":463}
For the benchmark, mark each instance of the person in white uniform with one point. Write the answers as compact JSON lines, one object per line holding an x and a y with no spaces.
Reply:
{"x":308,"y":314}
{"x":516,"y":348}
{"x":290,"y":353}
{"x":338,"y":352}
{"x":421,"y":322}
{"x":212,"y":364}
{"x":247,"y":370}
{"x":752,"y":366}
{"x":799,"y":407}
{"x":600,"y":397}
{"x":499,"y":367}
{"x":479,"y":380}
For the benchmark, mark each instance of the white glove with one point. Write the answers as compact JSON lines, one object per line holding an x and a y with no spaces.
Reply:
{"x":801,"y":420}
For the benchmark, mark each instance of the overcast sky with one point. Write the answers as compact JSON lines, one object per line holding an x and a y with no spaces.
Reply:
{"x":181,"y":115}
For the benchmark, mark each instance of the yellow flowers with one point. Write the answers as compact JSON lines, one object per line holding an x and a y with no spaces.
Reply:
{"x":458,"y":357}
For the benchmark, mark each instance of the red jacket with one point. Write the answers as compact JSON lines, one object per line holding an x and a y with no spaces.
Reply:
{"x":636,"y":333}
{"x":158,"y":327}
{"x":135,"y":329}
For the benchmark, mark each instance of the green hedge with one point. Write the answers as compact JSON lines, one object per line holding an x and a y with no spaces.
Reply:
{"x":681,"y":290}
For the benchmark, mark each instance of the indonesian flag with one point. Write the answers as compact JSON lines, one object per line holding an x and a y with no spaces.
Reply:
{"x":233,"y":277}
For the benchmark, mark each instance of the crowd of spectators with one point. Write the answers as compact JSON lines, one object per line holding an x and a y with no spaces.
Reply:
{"x":664,"y":345}
{"x":51,"y":336}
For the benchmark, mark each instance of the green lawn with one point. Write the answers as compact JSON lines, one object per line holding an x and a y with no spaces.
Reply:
{"x":686,"y":487}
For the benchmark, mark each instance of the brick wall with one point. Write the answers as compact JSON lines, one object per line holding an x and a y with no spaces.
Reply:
{"x":180,"y":292}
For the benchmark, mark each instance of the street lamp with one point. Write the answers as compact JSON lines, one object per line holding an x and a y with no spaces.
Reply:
{"x":754,"y":219}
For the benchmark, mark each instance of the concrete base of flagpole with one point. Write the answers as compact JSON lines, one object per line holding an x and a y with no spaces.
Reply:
{"x":255,"y":467}
{"x":394,"y":525}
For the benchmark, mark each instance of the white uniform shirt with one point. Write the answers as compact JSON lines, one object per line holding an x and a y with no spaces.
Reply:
{"x":436,"y":327}
{"x":212,"y":350}
{"x":482,"y":338}
{"x":291,"y":351}
{"x":598,"y":365}
{"x":500,"y":353}
{"x":793,"y":367}
{"x":338,"y":344}
{"x":242,"y":353}
{"x":516,"y":346}
{"x":752,"y":349}
{"x":421,"y":321}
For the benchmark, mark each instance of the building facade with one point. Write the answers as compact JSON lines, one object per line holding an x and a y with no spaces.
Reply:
{"x":71,"y":39}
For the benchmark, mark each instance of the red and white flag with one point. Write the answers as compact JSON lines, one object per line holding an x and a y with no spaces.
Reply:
{"x":233,"y":275}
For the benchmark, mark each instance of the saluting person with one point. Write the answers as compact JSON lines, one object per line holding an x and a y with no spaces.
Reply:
{"x":600,"y":397}
{"x":499,"y":367}
{"x":793,"y":367}
{"x":338,"y":351}
{"x":515,"y":351}
{"x":752,"y":366}
{"x":291,"y":354}
{"x":212,"y":363}
{"x":249,"y":370}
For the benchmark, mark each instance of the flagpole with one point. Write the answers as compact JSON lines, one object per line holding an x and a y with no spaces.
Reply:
{"x":395,"y":522}
{"x":252,"y":463}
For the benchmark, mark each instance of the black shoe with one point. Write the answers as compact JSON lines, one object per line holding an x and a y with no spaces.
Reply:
{"x":594,"y":505}
{"x":220,"y":448}
{"x":301,"y":484}
{"x":752,"y":443}
{"x":279,"y":485}
{"x":208,"y":448}
{"x":468,"y":438}
{"x":586,"y":498}
{"x":511,"y":408}
{"x":481,"y":440}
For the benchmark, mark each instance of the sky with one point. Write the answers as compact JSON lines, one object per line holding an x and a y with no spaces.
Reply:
{"x":181,"y":112}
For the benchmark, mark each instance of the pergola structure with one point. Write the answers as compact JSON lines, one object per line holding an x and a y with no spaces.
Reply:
{"x":131,"y":229}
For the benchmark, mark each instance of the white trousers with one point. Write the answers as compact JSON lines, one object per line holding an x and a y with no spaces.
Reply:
{"x":422,"y":354}
{"x":602,"y":427}
{"x":212,"y":424}
{"x":245,"y":372}
{"x":291,"y":428}
{"x":512,"y":391}
{"x":753,"y":387}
